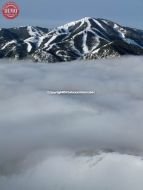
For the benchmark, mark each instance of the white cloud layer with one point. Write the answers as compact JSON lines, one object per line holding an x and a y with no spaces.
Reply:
{"x":53,"y":142}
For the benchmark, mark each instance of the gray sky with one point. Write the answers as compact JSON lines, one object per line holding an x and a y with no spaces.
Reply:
{"x":55,"y":12}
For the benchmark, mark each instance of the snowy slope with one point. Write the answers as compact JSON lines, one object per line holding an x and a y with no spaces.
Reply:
{"x":88,"y":38}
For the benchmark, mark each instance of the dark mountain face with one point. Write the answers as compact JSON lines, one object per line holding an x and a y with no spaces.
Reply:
{"x":87,"y":38}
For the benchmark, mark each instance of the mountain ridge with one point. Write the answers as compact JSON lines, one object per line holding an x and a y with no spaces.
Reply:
{"x":87,"y":38}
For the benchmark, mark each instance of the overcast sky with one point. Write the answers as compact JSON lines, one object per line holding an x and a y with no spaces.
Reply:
{"x":56,"y":12}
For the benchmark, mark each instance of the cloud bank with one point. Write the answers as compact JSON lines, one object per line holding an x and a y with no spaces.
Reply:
{"x":71,"y":141}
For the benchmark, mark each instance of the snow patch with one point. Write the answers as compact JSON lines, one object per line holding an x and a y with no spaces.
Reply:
{"x":8,"y":43}
{"x":29,"y":47}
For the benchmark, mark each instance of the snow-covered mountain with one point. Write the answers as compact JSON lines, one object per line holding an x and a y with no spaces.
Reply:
{"x":88,"y":38}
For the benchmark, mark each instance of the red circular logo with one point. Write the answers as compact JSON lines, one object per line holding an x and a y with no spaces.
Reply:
{"x":10,"y":10}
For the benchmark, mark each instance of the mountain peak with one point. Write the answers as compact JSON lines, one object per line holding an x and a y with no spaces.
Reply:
{"x":87,"y":38}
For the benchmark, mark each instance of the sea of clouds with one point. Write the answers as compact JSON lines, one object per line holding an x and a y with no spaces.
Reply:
{"x":66,"y":142}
